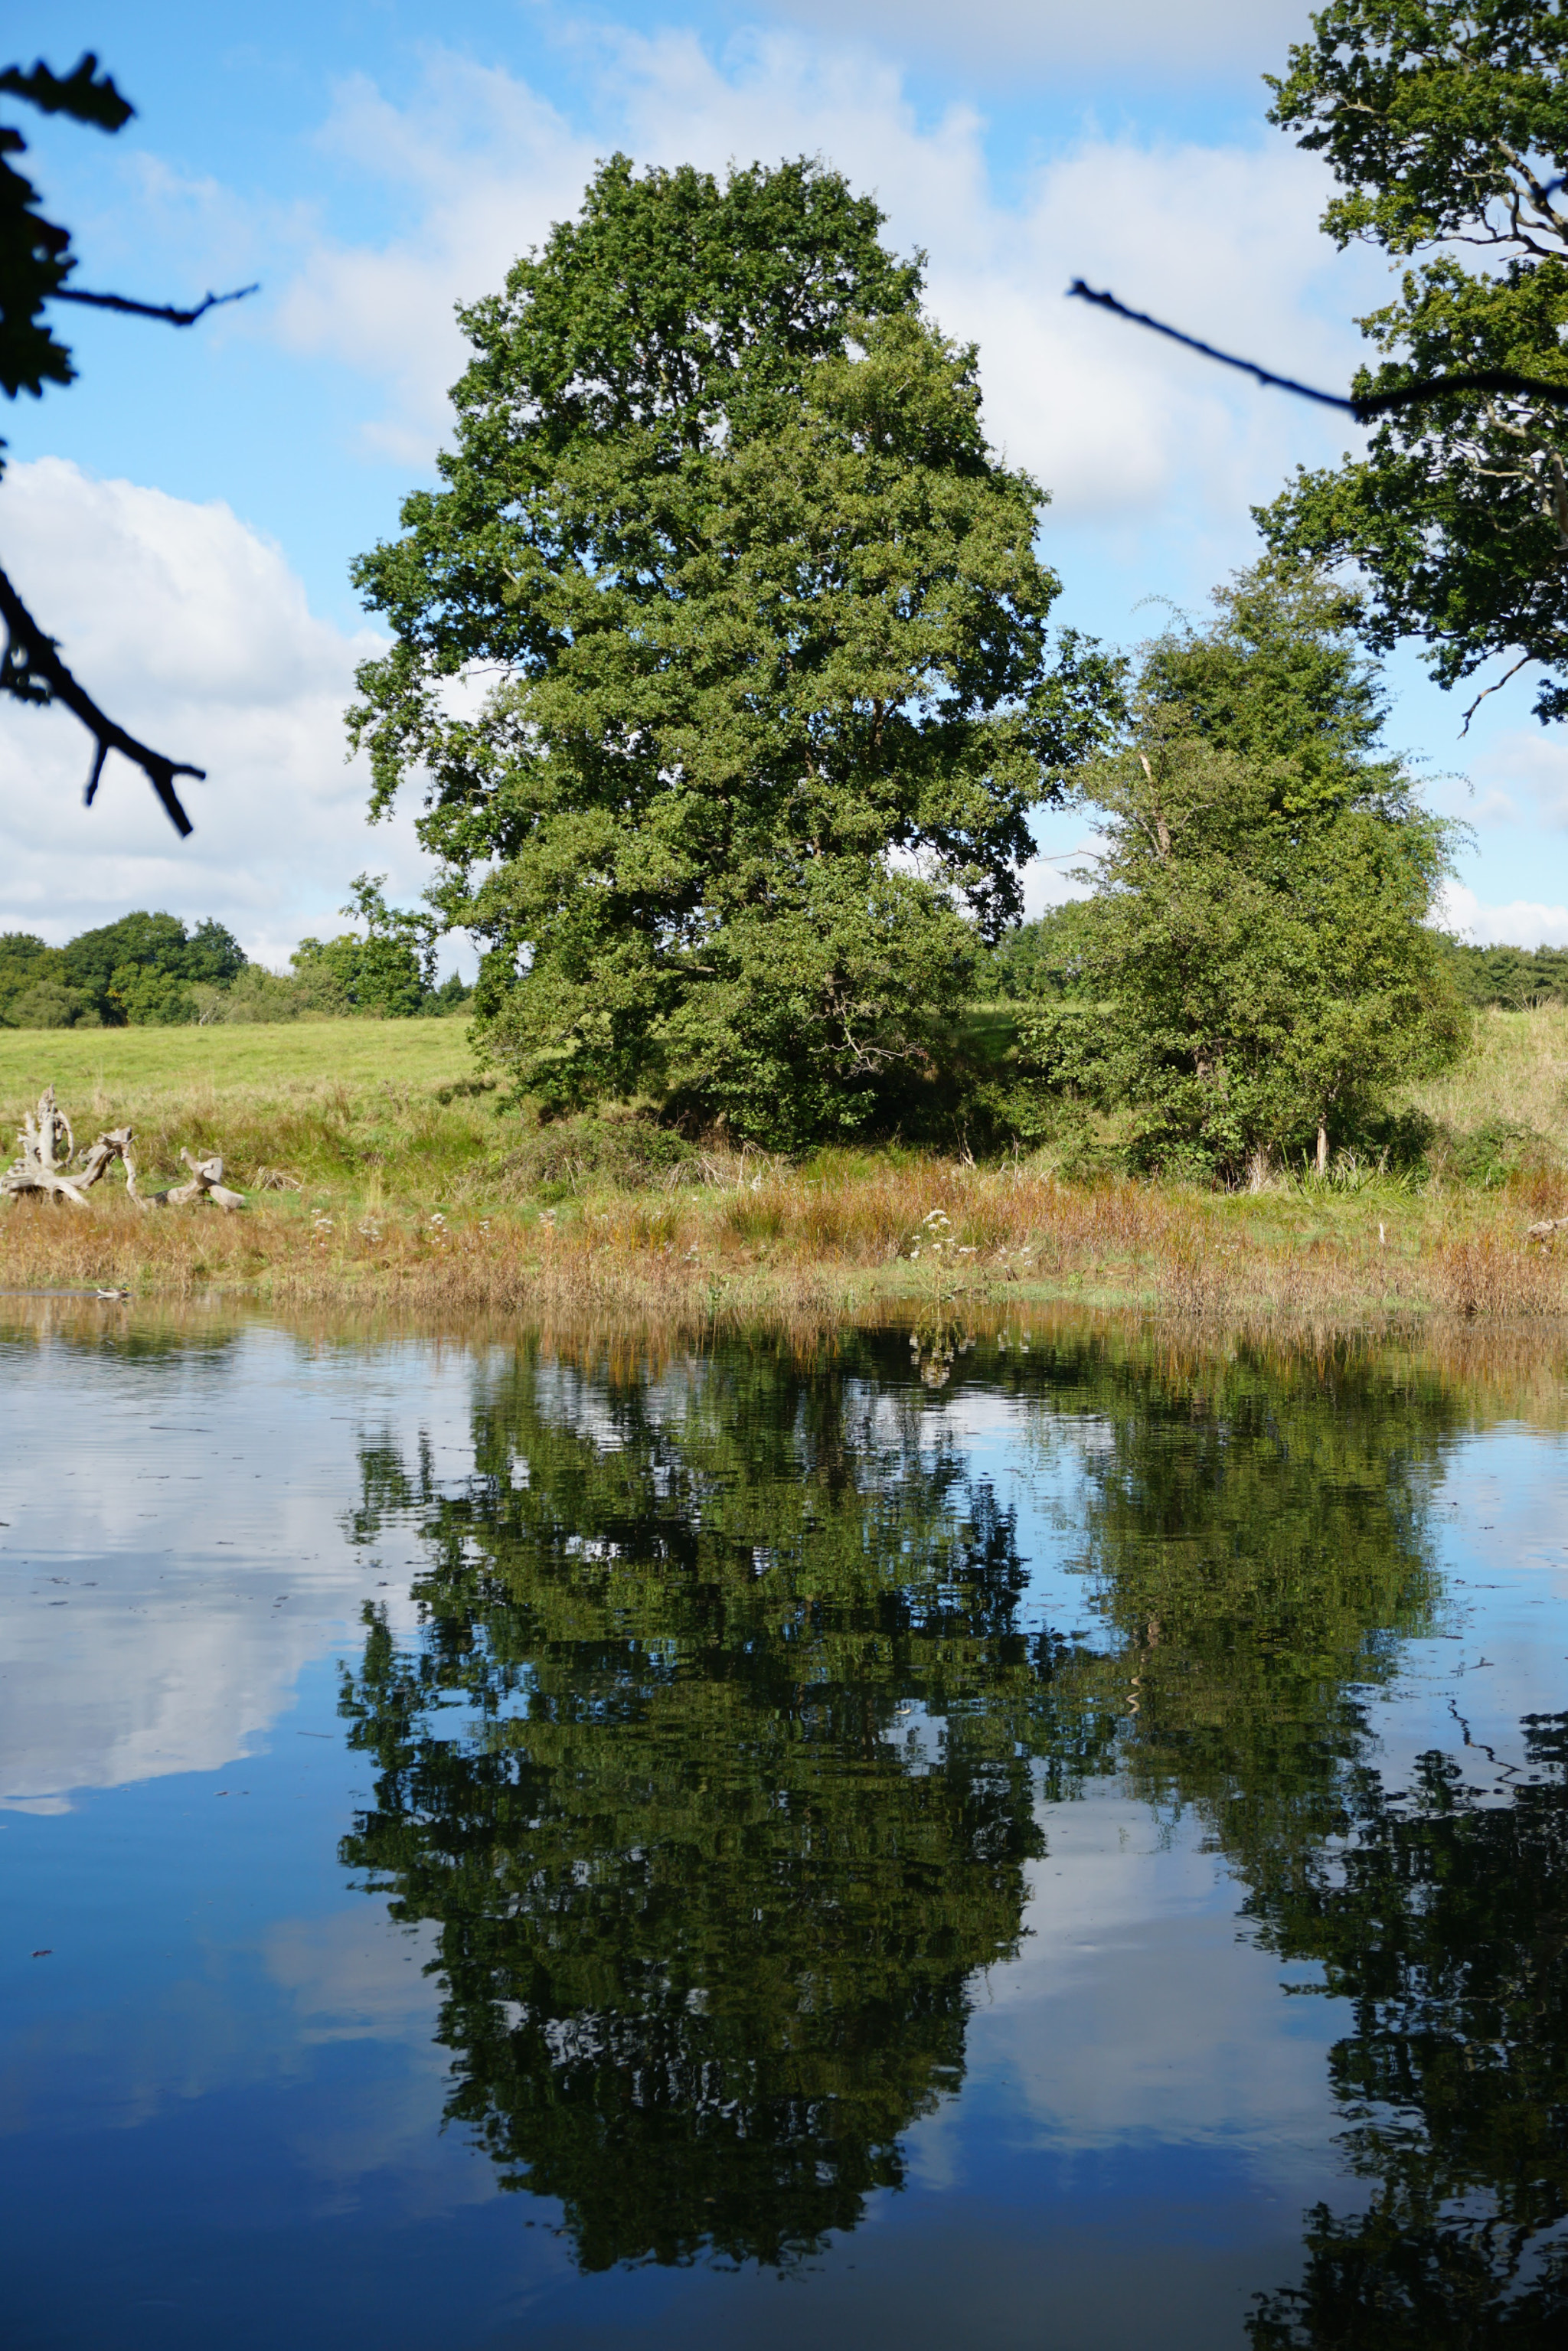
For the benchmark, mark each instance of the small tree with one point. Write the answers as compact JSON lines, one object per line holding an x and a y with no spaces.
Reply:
{"x":389,"y":972}
{"x":774,"y":698}
{"x":1258,"y":945}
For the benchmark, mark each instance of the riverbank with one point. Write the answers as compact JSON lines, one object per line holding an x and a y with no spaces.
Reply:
{"x":382,"y":1171}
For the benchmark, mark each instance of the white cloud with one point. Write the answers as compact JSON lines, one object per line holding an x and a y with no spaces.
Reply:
{"x":1222,"y":239}
{"x":1520,"y":923}
{"x":1134,"y":37}
{"x":485,"y":165}
{"x":1526,"y":764}
{"x":194,"y":632}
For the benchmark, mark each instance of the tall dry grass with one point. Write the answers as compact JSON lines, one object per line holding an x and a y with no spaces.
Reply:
{"x":934,"y":1234}
{"x":416,"y":1196}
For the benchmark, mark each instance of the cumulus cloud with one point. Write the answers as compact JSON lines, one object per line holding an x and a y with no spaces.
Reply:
{"x":1519,"y":922}
{"x":193,"y":631}
{"x":483,"y":165}
{"x":1523,"y":773}
{"x":1222,"y":238}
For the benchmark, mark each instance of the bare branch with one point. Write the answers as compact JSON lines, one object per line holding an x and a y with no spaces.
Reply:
{"x":1363,"y":406}
{"x":1523,"y":663}
{"x":166,"y":311}
{"x":31,"y":661}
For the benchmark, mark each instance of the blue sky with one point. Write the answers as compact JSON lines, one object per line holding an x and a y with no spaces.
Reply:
{"x":184,"y":516}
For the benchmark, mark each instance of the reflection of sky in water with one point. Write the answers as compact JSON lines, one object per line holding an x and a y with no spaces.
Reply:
{"x":227,"y":2055}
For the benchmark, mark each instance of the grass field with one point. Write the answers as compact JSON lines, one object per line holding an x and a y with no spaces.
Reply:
{"x":419,"y":1187}
{"x":117,"y":1065}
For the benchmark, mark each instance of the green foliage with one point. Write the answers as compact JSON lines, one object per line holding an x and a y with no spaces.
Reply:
{"x":1258,"y":951}
{"x":146,"y":971}
{"x":389,"y":972}
{"x":34,"y":989}
{"x":1044,"y":957}
{"x":138,"y":971}
{"x":1511,"y":979}
{"x":1447,"y":120}
{"x":1499,"y":1149}
{"x":776,"y":698}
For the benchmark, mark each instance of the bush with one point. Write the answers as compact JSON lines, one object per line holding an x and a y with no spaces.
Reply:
{"x":49,"y":1004}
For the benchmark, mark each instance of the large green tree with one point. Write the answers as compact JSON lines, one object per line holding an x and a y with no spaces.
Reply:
{"x":770,"y":697}
{"x":1257,"y":943}
{"x":1445,"y":123}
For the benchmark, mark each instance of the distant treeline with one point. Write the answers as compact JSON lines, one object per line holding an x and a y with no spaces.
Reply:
{"x":1045,"y":958}
{"x":148,"y":970}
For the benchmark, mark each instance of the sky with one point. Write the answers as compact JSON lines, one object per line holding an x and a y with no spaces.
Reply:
{"x":183,"y":516}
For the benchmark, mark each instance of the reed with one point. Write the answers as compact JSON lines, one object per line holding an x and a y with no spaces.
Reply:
{"x":421,"y":1193}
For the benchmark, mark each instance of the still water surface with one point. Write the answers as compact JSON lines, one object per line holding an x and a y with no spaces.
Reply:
{"x":502,"y":1849}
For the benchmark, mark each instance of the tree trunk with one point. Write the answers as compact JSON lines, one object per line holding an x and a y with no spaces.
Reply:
{"x":1322,"y":1150}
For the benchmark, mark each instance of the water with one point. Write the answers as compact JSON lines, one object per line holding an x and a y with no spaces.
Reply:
{"x":1062,"y":1845}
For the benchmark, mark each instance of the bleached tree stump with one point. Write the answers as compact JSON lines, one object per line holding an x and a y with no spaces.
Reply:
{"x":47,"y":1148}
{"x":206,"y":1184}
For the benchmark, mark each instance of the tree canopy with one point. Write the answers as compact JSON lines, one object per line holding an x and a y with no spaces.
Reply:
{"x":773,"y":697}
{"x":1257,"y":946}
{"x":1445,"y":123}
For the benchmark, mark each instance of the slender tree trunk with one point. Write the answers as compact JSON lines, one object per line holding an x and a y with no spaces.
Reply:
{"x":1322,"y":1149}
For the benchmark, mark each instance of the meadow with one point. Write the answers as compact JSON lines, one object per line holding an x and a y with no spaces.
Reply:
{"x":384,"y":1168}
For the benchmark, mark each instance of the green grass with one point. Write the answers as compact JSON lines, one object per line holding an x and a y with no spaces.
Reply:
{"x":1517,"y":1075}
{"x":407,"y":1181}
{"x":289,"y":1055}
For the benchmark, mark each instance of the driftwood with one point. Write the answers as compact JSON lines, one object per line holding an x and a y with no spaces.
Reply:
{"x":49,"y":1148}
{"x":206,"y":1184}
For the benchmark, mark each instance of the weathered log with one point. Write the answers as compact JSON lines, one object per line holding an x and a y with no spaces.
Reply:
{"x":47,"y":1147}
{"x":206,"y":1184}
{"x":100,"y":1155}
{"x":142,"y":1199}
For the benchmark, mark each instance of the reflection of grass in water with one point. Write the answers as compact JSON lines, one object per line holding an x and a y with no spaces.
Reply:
{"x":415,"y":1193}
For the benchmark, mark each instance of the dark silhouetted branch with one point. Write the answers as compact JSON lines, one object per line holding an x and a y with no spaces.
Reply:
{"x":166,"y":311}
{"x":33,"y":670}
{"x":1363,"y":406}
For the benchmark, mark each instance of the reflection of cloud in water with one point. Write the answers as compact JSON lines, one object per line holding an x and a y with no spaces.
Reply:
{"x":175,"y":1554}
{"x":355,"y":1977}
{"x":1182,"y":2048}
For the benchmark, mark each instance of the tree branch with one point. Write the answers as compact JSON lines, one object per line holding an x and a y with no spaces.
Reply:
{"x":166,"y":311}
{"x":1363,"y":406}
{"x":31,"y":661}
{"x":1523,"y":663}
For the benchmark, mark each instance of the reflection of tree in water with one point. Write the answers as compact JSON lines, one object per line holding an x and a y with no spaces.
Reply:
{"x":746,"y":1803}
{"x":1258,"y":1542}
{"x":715,"y":1762}
{"x":1443,"y":1920}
